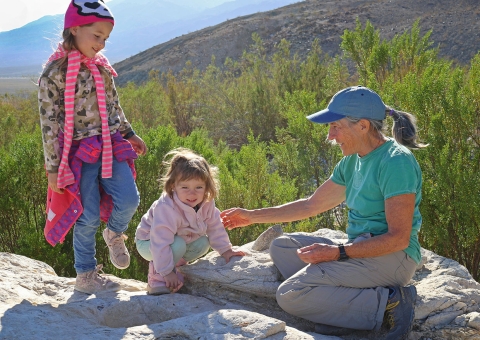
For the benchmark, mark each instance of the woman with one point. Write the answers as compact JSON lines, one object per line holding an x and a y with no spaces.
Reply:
{"x":356,"y":284}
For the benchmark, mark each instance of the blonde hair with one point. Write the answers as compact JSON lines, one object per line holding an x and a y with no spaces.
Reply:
{"x":68,"y":39}
{"x":184,"y":164}
{"x":68,"y":44}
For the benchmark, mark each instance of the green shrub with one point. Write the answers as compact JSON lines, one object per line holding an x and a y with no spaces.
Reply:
{"x":248,"y":118}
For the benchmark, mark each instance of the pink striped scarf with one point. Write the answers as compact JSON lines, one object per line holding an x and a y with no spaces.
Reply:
{"x":75,"y":58}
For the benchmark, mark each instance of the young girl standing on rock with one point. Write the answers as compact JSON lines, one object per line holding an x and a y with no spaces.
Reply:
{"x":183,"y":223}
{"x":88,"y":160}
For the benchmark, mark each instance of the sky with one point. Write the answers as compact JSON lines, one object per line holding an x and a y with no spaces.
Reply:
{"x":17,"y":13}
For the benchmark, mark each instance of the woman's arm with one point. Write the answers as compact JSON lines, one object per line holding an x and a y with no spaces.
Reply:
{"x":399,"y":213}
{"x":326,"y":197}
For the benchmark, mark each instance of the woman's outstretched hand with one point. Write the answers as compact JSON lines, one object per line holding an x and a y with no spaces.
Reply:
{"x":235,"y":218}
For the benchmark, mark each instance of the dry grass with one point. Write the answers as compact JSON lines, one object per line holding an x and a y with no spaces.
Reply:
{"x":17,"y":86}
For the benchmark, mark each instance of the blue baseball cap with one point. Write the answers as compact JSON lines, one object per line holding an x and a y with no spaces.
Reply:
{"x":355,"y":101}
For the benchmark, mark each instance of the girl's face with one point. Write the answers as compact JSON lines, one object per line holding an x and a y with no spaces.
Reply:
{"x":190,"y":192}
{"x":90,"y":40}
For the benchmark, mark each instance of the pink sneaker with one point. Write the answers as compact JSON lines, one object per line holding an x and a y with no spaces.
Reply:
{"x":92,"y":282}
{"x":156,"y":282}
{"x":119,"y":255}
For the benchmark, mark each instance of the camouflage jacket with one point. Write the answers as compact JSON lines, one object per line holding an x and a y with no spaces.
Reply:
{"x":51,"y":103}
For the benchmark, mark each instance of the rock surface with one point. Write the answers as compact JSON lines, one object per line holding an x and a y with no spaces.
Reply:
{"x":219,"y":301}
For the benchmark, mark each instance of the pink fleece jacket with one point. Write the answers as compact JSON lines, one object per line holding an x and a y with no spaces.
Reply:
{"x":169,"y":217}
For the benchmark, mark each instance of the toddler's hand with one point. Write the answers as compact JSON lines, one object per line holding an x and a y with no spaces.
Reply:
{"x":173,"y":282}
{"x":229,"y":253}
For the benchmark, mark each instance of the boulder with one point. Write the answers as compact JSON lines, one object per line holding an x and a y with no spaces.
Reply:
{"x":234,"y":300}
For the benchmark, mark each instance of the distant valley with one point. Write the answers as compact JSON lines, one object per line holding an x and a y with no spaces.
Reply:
{"x":455,"y":29}
{"x":166,"y":42}
{"x":139,"y":25}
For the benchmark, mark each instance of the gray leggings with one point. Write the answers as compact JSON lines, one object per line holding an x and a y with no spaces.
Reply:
{"x":349,"y":294}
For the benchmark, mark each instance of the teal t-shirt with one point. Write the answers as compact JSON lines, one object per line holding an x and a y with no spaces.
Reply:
{"x":387,"y":171}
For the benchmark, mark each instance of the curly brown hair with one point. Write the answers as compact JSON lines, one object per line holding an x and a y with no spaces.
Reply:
{"x":182,"y":165}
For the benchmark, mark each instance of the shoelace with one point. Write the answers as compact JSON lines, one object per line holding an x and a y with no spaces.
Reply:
{"x":96,"y":272}
{"x":389,"y":319}
{"x":118,"y":238}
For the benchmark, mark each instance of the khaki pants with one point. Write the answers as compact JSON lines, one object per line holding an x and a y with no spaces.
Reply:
{"x":349,"y":294}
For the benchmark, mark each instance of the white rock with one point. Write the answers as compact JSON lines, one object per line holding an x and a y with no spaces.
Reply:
{"x":234,"y":300}
{"x":474,"y":320}
{"x":38,"y":304}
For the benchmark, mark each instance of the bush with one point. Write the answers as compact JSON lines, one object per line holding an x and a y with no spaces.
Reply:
{"x":248,"y":118}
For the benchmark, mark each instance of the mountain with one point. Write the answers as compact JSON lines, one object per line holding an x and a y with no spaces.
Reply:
{"x":139,"y":25}
{"x":455,"y":29}
{"x":24,"y":49}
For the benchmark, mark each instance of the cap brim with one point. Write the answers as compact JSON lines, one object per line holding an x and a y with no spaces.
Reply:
{"x":325,"y":116}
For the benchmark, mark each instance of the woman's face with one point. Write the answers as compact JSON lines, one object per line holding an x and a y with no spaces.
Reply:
{"x":90,"y":39}
{"x":347,"y":136}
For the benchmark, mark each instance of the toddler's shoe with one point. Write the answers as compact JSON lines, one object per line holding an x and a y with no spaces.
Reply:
{"x":92,"y":282}
{"x":119,"y":255}
{"x":156,"y":282}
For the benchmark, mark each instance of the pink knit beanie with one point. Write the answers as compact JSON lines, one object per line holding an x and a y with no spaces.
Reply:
{"x":83,"y":12}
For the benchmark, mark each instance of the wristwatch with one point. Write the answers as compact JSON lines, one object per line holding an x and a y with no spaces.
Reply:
{"x":343,"y":254}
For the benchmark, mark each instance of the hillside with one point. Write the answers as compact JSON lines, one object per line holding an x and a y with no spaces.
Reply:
{"x":455,"y":25}
{"x":139,"y":25}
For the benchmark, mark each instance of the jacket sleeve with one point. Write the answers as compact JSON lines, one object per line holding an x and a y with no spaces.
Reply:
{"x":50,"y":109}
{"x":125,"y":126}
{"x":217,"y":235}
{"x":165,"y":222}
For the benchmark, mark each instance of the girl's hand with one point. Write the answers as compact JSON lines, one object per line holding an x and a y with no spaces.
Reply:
{"x":138,"y":145}
{"x":229,"y":253}
{"x":52,"y":182}
{"x":173,"y":282}
{"x":235,"y":218}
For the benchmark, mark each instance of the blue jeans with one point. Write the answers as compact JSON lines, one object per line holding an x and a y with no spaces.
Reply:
{"x":189,"y":252}
{"x":121,"y":186}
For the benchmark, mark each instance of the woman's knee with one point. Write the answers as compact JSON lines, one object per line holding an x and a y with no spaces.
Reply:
{"x":280,"y":242}
{"x":286,"y":296}
{"x":282,"y":248}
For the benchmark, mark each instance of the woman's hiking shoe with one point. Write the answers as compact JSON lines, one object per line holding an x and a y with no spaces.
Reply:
{"x":400,"y":312}
{"x":119,"y":255}
{"x":92,"y":282}
{"x":332,"y":330}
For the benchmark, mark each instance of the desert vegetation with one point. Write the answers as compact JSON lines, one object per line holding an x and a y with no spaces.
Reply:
{"x":248,"y":118}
